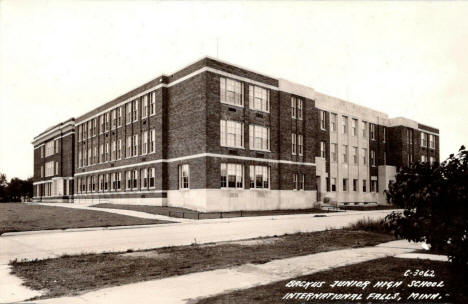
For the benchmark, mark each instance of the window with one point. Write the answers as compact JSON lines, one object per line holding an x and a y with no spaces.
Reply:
{"x":300,"y":113}
{"x":80,"y":159}
{"x":49,"y":168}
{"x":42,"y":171}
{"x":56,"y":168}
{"x":135,"y":110}
{"x":49,"y":148}
{"x":135,"y":179}
{"x":144,"y":106}
{"x":129,"y":180}
{"x":232,"y":134}
{"x":333,"y":122}
{"x":354,"y":127}
{"x":431,"y":141}
{"x":135,"y":145}
{"x":231,"y":92}
{"x":334,"y":148}
{"x":129,"y":147}
{"x":296,"y":108}
{"x":385,"y":158}
{"x":323,"y":149}
{"x":294,"y":144}
{"x":152,"y":138}
{"x":364,"y":185}
{"x":107,"y":152}
{"x":153,"y":103}
{"x":345,"y":154}
{"x":373,"y":186}
{"x":57,"y":145}
{"x":184,"y":176}
{"x":259,"y":99}
{"x":333,"y":184}
{"x":114,"y":150}
{"x":114,"y":119}
{"x":117,"y":178}
{"x":151,"y":177}
{"x":96,"y":155}
{"x":300,"y":144}
{"x":90,"y":156}
{"x":322,"y":120}
{"x":423,"y":140}
{"x":355,"y":156}
{"x":364,"y":156}
{"x":129,"y":113}
{"x":423,"y":158}
{"x":144,"y":178}
{"x":101,"y":124}
{"x":355,"y":184}
{"x":345,"y":184}
{"x":145,"y":143}
{"x":344,"y":120}
{"x":372,"y":158}
{"x":85,"y":156}
{"x":119,"y":117}
{"x":79,"y":133}
{"x":364,"y":129}
{"x":95,"y":127}
{"x":101,"y":183}
{"x":232,"y":176}
{"x":298,"y":180}
{"x":293,"y":107}
{"x":107,"y":121}
{"x":431,"y":160}
{"x":93,"y":183}
{"x":372,"y":131}
{"x":259,"y":177}
{"x":384,"y":130}
{"x":259,"y":138}
{"x":119,"y":149}
{"x":409,"y":136}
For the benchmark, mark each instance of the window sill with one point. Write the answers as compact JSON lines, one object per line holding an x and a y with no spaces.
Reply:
{"x":257,"y":110}
{"x":261,"y":150}
{"x":232,"y":104}
{"x":233,"y":147}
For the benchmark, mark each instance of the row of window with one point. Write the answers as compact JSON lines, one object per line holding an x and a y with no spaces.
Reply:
{"x":232,"y":135}
{"x":135,"y":180}
{"x":354,"y":126}
{"x":113,"y":151}
{"x":331,"y":185}
{"x":113,"y":119}
{"x":232,"y":92}
{"x":51,"y":168}
{"x":232,"y":176}
{"x":424,"y":159}
{"x":50,"y":148}
{"x":354,"y":154}
{"x":424,"y":140}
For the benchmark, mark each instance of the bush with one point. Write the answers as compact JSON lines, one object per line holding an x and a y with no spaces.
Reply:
{"x":371,"y":225}
{"x":435,"y":201}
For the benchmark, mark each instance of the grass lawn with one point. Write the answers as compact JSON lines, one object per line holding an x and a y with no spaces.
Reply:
{"x":24,"y":217}
{"x":181,"y":212}
{"x":74,"y":274}
{"x":386,"y":269}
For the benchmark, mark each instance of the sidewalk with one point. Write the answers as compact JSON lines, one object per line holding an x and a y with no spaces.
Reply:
{"x":182,"y":289}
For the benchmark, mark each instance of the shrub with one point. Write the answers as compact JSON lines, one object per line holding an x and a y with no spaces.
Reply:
{"x":435,"y":201}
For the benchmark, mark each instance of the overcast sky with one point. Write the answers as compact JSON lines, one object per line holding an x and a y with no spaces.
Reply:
{"x":61,"y":59}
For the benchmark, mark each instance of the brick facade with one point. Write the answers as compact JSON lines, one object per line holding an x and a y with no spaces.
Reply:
{"x":186,"y":120}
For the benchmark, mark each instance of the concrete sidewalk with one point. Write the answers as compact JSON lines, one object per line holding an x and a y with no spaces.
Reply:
{"x":182,"y":289}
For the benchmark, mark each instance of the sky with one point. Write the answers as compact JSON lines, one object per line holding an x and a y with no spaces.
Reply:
{"x":61,"y":59}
